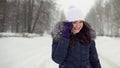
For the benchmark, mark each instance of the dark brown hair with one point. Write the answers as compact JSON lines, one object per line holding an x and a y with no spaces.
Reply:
{"x":85,"y":36}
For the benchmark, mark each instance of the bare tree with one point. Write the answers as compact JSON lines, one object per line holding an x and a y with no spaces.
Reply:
{"x":2,"y":14}
{"x":95,"y":17}
{"x":107,"y":17}
{"x":29,"y":15}
{"x":115,"y":18}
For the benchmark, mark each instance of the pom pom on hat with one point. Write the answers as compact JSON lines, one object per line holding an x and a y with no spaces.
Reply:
{"x":74,"y":14}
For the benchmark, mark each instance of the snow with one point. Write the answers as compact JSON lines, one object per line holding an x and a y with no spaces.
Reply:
{"x":35,"y":52}
{"x":8,"y":34}
{"x":109,"y":51}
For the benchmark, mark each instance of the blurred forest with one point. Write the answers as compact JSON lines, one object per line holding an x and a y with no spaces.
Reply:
{"x":39,"y":16}
{"x":104,"y":16}
{"x":27,"y":16}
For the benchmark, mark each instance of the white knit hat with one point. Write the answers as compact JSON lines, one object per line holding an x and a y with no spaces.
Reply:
{"x":73,"y":14}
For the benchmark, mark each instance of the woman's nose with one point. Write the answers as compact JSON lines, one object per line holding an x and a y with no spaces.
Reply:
{"x":78,"y":25}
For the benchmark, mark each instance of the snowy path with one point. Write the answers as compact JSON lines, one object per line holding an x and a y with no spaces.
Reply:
{"x":107,"y":63}
{"x":109,"y":51}
{"x":36,"y":52}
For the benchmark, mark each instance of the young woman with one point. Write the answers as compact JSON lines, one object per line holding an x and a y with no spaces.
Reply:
{"x":75,"y":47}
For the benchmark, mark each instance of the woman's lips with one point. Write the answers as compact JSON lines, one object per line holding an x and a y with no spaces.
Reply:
{"x":76,"y":28}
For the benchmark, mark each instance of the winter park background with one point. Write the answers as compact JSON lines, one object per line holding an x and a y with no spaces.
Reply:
{"x":25,"y":27}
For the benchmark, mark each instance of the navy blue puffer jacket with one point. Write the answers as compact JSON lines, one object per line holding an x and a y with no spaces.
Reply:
{"x":81,"y":56}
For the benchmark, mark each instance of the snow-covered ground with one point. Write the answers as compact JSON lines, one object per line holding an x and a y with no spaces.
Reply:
{"x":35,"y":52}
{"x":109,"y":51}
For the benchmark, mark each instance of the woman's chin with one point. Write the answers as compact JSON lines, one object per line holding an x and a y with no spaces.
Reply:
{"x":77,"y":31}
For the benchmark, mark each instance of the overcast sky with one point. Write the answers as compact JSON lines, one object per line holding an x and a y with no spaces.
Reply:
{"x":84,"y":5}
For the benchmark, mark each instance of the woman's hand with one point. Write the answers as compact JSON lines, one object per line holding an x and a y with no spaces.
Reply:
{"x":67,"y":29}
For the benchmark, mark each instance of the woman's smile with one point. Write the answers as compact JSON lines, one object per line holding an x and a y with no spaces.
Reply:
{"x":76,"y":28}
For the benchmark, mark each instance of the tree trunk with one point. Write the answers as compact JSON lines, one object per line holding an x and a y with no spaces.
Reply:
{"x":2,"y":14}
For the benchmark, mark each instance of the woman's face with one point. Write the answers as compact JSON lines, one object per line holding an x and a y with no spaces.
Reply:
{"x":77,"y":26}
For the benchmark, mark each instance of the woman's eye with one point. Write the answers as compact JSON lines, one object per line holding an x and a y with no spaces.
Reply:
{"x":80,"y":21}
{"x":74,"y":22}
